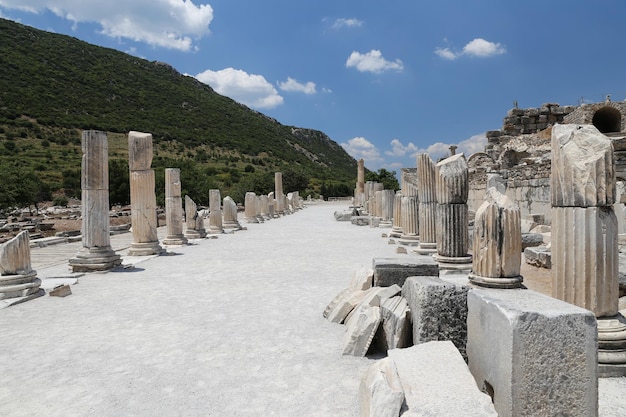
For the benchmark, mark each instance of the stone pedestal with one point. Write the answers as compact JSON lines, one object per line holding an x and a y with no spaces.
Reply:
{"x":18,"y":281}
{"x":451,"y":188}
{"x":497,"y":243}
{"x":142,"y":196}
{"x":427,"y":214}
{"x":173,"y":208}
{"x":195,"y":222}
{"x":96,"y":253}
{"x":250,"y":204}
{"x":230,"y":214}
{"x":215,"y":213}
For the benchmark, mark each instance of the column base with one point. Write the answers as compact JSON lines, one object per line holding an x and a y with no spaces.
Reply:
{"x":19,"y":285}
{"x":612,"y":346}
{"x":174,"y":241}
{"x":95,"y":259}
{"x":385,"y":224}
{"x":232,"y":225}
{"x":490,"y":282}
{"x":215,"y":231}
{"x":195,"y":234}
{"x":145,"y":249}
{"x":408,"y":240}
{"x":426,"y":248}
{"x":449,"y":265}
{"x":396,"y":232}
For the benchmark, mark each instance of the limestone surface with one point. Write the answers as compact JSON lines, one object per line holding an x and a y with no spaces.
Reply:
{"x":396,"y":326}
{"x":380,"y":392}
{"x":451,"y":180}
{"x":389,"y":271}
{"x":360,"y":331}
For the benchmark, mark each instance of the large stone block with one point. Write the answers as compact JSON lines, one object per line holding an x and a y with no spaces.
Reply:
{"x":438,"y":310}
{"x":380,"y":392}
{"x":536,"y":355}
{"x":360,"y":330}
{"x":436,"y":382}
{"x":389,"y":271}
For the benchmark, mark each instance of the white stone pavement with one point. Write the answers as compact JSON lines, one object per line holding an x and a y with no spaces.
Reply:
{"x":226,"y":327}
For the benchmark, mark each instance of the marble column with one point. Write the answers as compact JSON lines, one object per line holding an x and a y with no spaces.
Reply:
{"x":250,"y":204}
{"x":410,"y":209}
{"x":96,"y":253}
{"x":265,"y":207}
{"x":230,"y":214}
{"x":215,"y":213}
{"x":18,"y":280}
{"x":278,"y":193}
{"x":585,"y":235}
{"x":359,"y":192}
{"x":142,"y":196}
{"x":194,"y":222}
{"x":174,"y":208}
{"x":272,"y":203}
{"x":497,"y":243}
{"x":427,"y":204}
{"x":396,"y":230}
{"x":388,"y":198}
{"x":451,"y":188}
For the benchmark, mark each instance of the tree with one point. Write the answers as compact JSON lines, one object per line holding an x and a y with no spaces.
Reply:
{"x":387,"y":178}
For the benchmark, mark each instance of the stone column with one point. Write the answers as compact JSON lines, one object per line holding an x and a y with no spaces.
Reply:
{"x":451,"y":187}
{"x":250,"y":204}
{"x":359,"y":192}
{"x":396,"y":230}
{"x":427,"y":204}
{"x":173,"y":208}
{"x":96,"y":253}
{"x":497,"y":243}
{"x":272,"y":205}
{"x":388,"y":198}
{"x":410,"y":210}
{"x":278,"y":193}
{"x":195,"y":222}
{"x":215,"y":213}
{"x":142,"y":196}
{"x":585,"y":235}
{"x":265,"y":207}
{"x":259,"y":216}
{"x":230,"y":214}
{"x":18,"y":280}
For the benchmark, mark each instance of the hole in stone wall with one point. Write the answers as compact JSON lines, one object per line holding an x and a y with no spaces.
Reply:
{"x":607,"y":119}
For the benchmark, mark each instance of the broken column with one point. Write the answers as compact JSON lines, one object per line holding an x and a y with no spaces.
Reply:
{"x":359,"y":192}
{"x":96,"y":253}
{"x":142,"y":196}
{"x":215,"y":213}
{"x":396,"y":230}
{"x":497,"y":243}
{"x":18,"y":281}
{"x":427,"y":204}
{"x":195,"y":222}
{"x":387,"y":201}
{"x":173,"y":208}
{"x":278,"y":193}
{"x":230,"y":214}
{"x":451,"y":187}
{"x":250,"y":204}
{"x":585,"y":235}
{"x":265,"y":207}
{"x":409,"y":208}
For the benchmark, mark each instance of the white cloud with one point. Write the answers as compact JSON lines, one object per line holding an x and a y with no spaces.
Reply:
{"x":477,"y":48}
{"x":372,"y":61}
{"x":398,"y":149}
{"x":341,"y":22}
{"x":468,"y":147}
{"x":172,"y":24}
{"x":250,"y":89}
{"x":361,"y":148}
{"x":295,"y":86}
{"x":326,"y":90}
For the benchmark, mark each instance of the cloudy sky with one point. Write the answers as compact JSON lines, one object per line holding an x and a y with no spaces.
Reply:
{"x":384,"y":79}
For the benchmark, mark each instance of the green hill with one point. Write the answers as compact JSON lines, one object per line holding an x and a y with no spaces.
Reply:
{"x":54,"y":86}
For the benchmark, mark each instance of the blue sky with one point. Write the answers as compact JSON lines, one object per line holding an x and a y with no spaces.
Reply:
{"x":383,"y":79}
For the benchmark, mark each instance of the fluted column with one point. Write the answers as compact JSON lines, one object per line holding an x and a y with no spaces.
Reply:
{"x":195,"y":222}
{"x":173,"y":208}
{"x":96,"y":253}
{"x":410,"y":228}
{"x":427,"y":204}
{"x":497,"y":243}
{"x":279,"y":194}
{"x":250,"y":204}
{"x":585,"y":235}
{"x":451,"y":188}
{"x":230,"y":214}
{"x":142,"y":196}
{"x":215,"y":212}
{"x":396,"y":230}
{"x":387,"y":210}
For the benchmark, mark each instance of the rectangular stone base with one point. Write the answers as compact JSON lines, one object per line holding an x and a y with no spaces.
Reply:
{"x":389,"y":271}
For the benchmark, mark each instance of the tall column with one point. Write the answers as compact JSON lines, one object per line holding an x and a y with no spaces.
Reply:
{"x":452,"y":187}
{"x":585,"y":235}
{"x":215,"y":213}
{"x":259,"y":208}
{"x":96,"y":253}
{"x":497,"y":243}
{"x":265,"y":207}
{"x":387,"y":200}
{"x":174,"y":208}
{"x":396,"y":230}
{"x":359,"y":195}
{"x":427,"y":204}
{"x":250,"y":204}
{"x":410,"y":210}
{"x":195,"y":222}
{"x":142,"y":196}
{"x":278,"y":193}
{"x":18,"y":280}
{"x":230,"y":214}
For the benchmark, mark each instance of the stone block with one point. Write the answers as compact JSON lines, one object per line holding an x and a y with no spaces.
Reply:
{"x":396,"y":331}
{"x":336,"y":300}
{"x":362,"y":278}
{"x":539,"y":256}
{"x":438,"y":310}
{"x":436,"y":382}
{"x":61,"y":291}
{"x":380,"y":392}
{"x":389,"y":271}
{"x":343,"y":216}
{"x":531,"y":240}
{"x":374,"y":297}
{"x":360,"y":331}
{"x":536,"y":355}
{"x":345,"y":305}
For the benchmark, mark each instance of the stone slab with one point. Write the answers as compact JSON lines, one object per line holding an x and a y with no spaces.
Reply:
{"x":438,"y":310}
{"x":341,"y":310}
{"x":540,"y":256}
{"x":389,"y":271}
{"x":535,"y":354}
{"x":436,"y":382}
{"x":380,"y":392}
{"x":362,"y":278}
{"x":396,"y":331}
{"x":360,"y":331}
{"x":61,"y":291}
